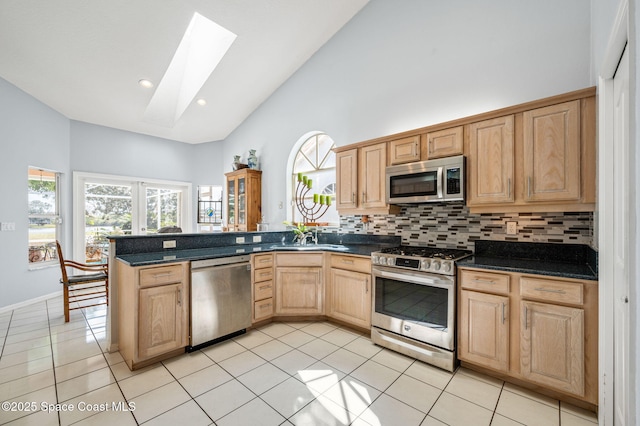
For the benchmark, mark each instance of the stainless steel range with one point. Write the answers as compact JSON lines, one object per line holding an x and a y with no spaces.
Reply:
{"x":414,"y":302}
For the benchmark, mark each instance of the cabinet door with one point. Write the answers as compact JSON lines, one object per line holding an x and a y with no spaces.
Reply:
{"x":161,"y":320}
{"x":444,"y":143}
{"x":347,"y":179}
{"x":405,"y":150}
{"x":552,"y":152}
{"x":351,"y":297}
{"x":484,"y":329}
{"x":490,"y":167}
{"x":552,"y":346}
{"x":299,"y":290}
{"x":231,"y":204}
{"x":371,"y":165}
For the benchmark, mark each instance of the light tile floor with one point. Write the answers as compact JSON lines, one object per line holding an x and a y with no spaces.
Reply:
{"x":301,"y":373}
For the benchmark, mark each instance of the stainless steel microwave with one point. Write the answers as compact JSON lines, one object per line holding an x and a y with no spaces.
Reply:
{"x":428,"y":181}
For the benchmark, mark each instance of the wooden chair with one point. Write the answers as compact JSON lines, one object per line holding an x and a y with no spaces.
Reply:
{"x":83,"y":287}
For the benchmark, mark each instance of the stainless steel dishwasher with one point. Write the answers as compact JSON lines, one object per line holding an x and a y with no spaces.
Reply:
{"x":220,"y":299}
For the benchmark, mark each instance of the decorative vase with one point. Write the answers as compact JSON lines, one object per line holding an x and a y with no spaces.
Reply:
{"x":252,"y":160}
{"x":236,"y":162}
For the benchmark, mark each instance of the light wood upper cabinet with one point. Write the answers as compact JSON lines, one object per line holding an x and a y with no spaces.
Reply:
{"x":552,"y":152}
{"x":484,"y":329}
{"x":347,"y":179}
{"x":371,"y":169}
{"x":552,"y":346}
{"x":244,"y":200}
{"x":490,"y":165}
{"x":444,"y":143}
{"x":405,"y":150}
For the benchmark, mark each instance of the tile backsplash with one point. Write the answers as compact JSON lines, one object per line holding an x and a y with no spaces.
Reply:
{"x":452,"y":225}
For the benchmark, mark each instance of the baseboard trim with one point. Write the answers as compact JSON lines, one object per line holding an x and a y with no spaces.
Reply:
{"x":30,"y":301}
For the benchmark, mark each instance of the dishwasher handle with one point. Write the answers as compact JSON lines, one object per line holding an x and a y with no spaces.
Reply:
{"x":221,"y":261}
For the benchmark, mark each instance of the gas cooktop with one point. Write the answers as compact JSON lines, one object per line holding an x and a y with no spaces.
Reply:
{"x":425,"y":259}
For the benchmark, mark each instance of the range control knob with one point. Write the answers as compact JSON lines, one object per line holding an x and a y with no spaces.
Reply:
{"x":446,"y":267}
{"x":391,"y":261}
{"x":382,"y":260}
{"x":375,"y":260}
{"x":426,"y":264}
{"x":436,"y":265}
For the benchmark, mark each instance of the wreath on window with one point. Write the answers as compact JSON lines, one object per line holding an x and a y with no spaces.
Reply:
{"x":35,"y":255}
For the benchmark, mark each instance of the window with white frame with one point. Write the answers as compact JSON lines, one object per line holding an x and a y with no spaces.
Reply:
{"x":44,"y":216}
{"x":314,"y":161}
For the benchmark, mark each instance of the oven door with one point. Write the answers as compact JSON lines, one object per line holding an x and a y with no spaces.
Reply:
{"x":418,"y":305}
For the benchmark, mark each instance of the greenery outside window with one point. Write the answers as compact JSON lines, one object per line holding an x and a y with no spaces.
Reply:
{"x":44,"y":216}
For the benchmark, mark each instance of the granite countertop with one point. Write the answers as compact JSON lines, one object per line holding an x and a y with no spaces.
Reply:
{"x":181,"y":255}
{"x":559,"y":260}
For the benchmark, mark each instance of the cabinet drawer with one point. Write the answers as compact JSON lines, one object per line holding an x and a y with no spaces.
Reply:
{"x":351,"y":263}
{"x":299,"y":259}
{"x":263,"y":290}
{"x":161,"y":275}
{"x":262,"y":261}
{"x":551,"y":290}
{"x":264,"y":274}
{"x":262,"y":309}
{"x":485,"y":281}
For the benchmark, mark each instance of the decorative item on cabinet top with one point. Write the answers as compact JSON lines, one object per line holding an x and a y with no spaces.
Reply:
{"x":237,"y":164}
{"x":252,"y":160}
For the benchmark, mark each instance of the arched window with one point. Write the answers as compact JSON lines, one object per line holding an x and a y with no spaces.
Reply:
{"x":313,"y":158}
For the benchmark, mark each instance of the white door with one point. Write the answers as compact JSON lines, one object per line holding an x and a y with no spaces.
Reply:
{"x":621,"y":194}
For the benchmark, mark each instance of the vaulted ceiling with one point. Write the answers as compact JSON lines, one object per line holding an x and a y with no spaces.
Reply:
{"x":85,"y":58}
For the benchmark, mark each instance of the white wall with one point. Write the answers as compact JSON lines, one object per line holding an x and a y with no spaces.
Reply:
{"x":402,"y":65}
{"x":31,"y":134}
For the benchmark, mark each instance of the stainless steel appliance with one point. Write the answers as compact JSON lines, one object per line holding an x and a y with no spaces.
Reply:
{"x":220,"y":299}
{"x":414,"y":302}
{"x":426,"y":181}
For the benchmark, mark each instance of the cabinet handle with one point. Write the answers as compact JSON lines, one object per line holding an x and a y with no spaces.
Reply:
{"x":364,"y":197}
{"x":478,"y":280}
{"x":528,"y":186}
{"x":509,"y":188}
{"x":503,"y":312}
{"x":264,"y":305}
{"x":164,"y":274}
{"x":550,"y":290}
{"x":367,"y":286}
{"x":347,"y":261}
{"x":353,"y":197}
{"x":179,"y":297}
{"x":415,"y":149}
{"x":265,"y":260}
{"x":526,"y":318}
{"x":265,"y":286}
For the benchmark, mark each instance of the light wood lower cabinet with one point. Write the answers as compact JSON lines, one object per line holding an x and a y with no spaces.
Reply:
{"x":153,"y":314}
{"x":552,"y":346}
{"x":484,"y":329}
{"x":350,"y":290}
{"x":262,"y":286}
{"x":537,"y":329}
{"x":299,"y":284}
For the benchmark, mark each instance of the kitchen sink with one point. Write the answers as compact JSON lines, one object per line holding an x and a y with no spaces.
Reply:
{"x":310,"y":247}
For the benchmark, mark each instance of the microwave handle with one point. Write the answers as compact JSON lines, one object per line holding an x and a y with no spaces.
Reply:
{"x":440,"y":179}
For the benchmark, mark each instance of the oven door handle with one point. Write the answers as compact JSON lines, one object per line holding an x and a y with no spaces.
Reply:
{"x":414,"y":278}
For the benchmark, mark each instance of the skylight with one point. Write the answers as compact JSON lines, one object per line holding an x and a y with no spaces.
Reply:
{"x":202,"y":47}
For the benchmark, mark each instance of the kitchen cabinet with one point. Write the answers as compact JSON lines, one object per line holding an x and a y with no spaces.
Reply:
{"x":536,"y":329}
{"x":490,"y":165}
{"x":484,"y":319}
{"x":262,"y":286}
{"x":552,"y":152}
{"x":299,"y":284}
{"x":405,"y":150}
{"x":244,"y":200}
{"x":153,"y":314}
{"x":444,"y":143}
{"x":360,"y":180}
{"x":349,"y":293}
{"x":537,"y":159}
